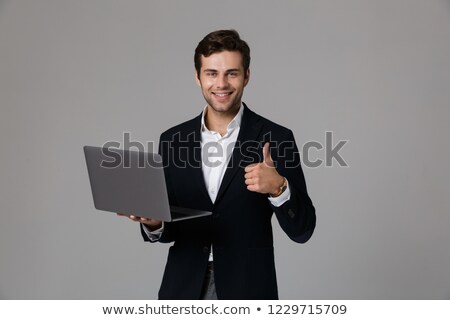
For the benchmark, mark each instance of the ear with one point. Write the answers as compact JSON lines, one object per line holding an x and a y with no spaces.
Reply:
{"x":247,"y":77}
{"x":197,"y":80}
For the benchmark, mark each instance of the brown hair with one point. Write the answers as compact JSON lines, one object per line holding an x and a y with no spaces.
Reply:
{"x":218,"y":41}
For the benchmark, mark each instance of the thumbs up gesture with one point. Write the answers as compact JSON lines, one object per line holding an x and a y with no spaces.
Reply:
{"x":263,"y":177}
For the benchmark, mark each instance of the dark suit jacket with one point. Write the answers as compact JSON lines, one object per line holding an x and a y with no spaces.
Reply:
{"x":240,"y":229}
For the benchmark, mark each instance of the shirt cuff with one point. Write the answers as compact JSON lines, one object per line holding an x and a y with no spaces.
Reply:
{"x":155,"y":235}
{"x":282,"y":198}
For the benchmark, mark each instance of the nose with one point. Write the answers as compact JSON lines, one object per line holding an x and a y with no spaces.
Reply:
{"x":222,"y":81}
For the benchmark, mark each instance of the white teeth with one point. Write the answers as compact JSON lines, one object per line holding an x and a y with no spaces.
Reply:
{"x":222,"y":94}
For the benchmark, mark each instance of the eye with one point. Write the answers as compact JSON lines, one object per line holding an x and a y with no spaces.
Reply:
{"x":211,"y":74}
{"x":233,"y":74}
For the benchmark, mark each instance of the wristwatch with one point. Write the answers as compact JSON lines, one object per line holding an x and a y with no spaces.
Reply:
{"x":282,"y":188}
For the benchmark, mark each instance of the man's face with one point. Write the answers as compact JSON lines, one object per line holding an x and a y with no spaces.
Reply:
{"x":222,"y":80}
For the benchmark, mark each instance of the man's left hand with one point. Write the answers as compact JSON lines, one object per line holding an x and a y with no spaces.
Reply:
{"x":263,"y":177}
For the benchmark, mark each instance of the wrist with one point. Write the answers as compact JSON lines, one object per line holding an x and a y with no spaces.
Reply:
{"x":280,"y":189}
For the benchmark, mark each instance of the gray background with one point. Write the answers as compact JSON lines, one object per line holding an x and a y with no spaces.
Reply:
{"x":376,"y":73}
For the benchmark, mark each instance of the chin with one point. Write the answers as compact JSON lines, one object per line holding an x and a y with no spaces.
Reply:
{"x":224,"y":108}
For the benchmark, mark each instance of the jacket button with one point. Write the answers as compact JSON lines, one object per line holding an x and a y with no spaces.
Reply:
{"x":291,"y":213}
{"x":205,"y":249}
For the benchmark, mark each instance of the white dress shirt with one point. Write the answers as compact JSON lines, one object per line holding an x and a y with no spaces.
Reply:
{"x":216,"y":151}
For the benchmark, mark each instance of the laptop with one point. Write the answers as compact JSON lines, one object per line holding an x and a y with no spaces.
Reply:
{"x":132,"y":182}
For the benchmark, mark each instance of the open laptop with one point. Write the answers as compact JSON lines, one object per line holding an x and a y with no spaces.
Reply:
{"x":132,"y":182}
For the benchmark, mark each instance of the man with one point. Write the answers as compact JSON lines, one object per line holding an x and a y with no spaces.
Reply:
{"x":240,"y":166}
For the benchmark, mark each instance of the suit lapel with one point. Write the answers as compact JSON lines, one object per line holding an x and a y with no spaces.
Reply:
{"x":246,"y":142}
{"x":195,"y":158}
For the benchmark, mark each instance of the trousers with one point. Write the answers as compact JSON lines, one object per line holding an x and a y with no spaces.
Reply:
{"x":209,"y":286}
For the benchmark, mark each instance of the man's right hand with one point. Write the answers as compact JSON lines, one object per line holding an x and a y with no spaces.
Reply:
{"x":152,"y":224}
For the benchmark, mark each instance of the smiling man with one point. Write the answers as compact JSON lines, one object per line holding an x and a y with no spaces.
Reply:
{"x":243,"y":168}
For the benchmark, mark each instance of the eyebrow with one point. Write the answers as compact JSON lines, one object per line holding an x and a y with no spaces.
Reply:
{"x":229,"y":70}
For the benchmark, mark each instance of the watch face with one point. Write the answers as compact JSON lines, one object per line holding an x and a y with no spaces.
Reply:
{"x":284,"y":186}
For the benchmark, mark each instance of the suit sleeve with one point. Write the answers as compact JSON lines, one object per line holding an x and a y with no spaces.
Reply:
{"x":296,"y":216}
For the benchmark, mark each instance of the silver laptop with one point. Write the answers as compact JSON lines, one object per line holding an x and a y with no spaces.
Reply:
{"x":132,"y":182}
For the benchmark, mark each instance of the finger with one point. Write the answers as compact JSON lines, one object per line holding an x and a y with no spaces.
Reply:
{"x":249,"y":182}
{"x":250,"y":167}
{"x":132,"y":217}
{"x":266,"y":154}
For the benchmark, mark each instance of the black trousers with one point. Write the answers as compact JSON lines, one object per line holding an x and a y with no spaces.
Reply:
{"x":209,"y":286}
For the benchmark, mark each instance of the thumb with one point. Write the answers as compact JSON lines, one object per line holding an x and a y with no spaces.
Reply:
{"x":266,"y":155}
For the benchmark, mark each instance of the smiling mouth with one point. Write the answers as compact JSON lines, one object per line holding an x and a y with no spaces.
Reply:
{"x":222,"y":94}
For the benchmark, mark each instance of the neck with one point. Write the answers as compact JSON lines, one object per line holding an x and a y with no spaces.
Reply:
{"x":219,"y":121}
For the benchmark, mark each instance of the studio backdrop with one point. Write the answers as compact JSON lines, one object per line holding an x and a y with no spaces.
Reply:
{"x":364,"y":85}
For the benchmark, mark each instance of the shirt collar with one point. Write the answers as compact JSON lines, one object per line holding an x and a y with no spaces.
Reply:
{"x":235,"y":123}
